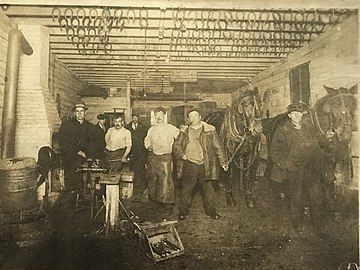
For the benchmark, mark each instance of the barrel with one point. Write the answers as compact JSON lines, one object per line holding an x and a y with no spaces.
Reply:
{"x":18,"y":179}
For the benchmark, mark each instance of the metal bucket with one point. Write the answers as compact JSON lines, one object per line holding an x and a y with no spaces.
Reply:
{"x":18,"y":189}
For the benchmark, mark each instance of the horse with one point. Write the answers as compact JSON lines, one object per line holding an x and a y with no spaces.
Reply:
{"x":334,"y":117}
{"x":239,"y":128}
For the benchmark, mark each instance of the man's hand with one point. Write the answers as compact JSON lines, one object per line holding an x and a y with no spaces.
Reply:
{"x":225,"y":167}
{"x":330,"y":134}
{"x":81,"y":153}
{"x":124,"y":159}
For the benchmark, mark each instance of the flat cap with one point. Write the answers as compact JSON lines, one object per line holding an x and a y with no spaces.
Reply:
{"x":298,"y":107}
{"x":80,"y":105}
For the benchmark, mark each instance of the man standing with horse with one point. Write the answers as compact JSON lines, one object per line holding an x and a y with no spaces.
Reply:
{"x":297,"y":156}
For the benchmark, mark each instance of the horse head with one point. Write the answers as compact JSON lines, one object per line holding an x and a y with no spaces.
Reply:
{"x":250,"y":106}
{"x":337,"y":111}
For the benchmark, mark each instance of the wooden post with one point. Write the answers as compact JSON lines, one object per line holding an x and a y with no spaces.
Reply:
{"x":128,"y":111}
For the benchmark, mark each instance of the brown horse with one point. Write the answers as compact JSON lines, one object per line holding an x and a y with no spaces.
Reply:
{"x":334,"y":116}
{"x":240,"y":129}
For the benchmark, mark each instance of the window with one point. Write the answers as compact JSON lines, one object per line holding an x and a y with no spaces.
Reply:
{"x":300,"y":83}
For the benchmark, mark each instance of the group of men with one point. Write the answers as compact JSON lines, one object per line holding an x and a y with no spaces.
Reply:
{"x":295,"y":152}
{"x":196,"y":148}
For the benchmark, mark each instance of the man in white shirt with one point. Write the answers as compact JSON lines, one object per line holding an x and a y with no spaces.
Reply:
{"x":118,"y":144}
{"x":159,"y":142}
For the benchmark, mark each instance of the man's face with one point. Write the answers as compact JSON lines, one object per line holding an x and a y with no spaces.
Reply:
{"x":118,"y":123}
{"x":159,"y":117}
{"x":194,"y":118}
{"x":135,"y":119}
{"x":79,"y":113}
{"x":102,"y":122}
{"x":296,"y":117}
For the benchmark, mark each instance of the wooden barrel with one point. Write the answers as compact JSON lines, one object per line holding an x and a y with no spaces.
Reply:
{"x":18,"y":179}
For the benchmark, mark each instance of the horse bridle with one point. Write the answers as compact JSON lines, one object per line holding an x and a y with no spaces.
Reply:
{"x":316,"y":121}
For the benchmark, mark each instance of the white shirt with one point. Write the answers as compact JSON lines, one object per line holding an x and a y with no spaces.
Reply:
{"x":161,"y":138}
{"x":134,"y":126}
{"x":117,"y":138}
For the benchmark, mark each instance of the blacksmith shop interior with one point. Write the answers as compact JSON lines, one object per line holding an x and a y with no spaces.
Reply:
{"x":179,"y":135}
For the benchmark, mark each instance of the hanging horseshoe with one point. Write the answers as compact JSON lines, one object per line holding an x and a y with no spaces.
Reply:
{"x":70,"y":32}
{"x":192,"y":16}
{"x":81,"y":32}
{"x":130,"y":17}
{"x":80,"y":14}
{"x":75,"y":40}
{"x":85,"y":22}
{"x":108,"y":48}
{"x":63,"y":23}
{"x":205,"y":14}
{"x":199,"y":26}
{"x":74,"y":22}
{"x":288,"y":16}
{"x":70,"y":15}
{"x":95,"y":47}
{"x":228,"y":16}
{"x":93,"y":14}
{"x":216,"y":34}
{"x":143,"y":23}
{"x":251,"y":19}
{"x":324,"y":18}
{"x":240,"y":16}
{"x":319,"y":27}
{"x":55,"y":14}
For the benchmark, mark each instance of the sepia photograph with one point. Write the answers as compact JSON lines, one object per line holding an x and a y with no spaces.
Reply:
{"x":179,"y":134}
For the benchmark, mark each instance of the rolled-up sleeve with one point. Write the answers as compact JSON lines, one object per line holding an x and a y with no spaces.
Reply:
{"x":128,"y":141}
{"x":147,"y":139}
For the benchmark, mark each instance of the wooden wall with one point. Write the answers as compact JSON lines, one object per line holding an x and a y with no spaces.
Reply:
{"x":5,"y":27}
{"x":63,"y":84}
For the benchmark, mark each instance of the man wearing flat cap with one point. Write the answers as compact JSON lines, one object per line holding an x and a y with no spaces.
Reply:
{"x":75,"y":138}
{"x":99,"y":137}
{"x":296,"y":154}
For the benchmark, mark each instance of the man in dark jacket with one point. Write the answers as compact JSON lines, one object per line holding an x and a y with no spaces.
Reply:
{"x":297,"y":156}
{"x":199,"y":151}
{"x":75,"y":138}
{"x":138,"y":154}
{"x":99,"y":137}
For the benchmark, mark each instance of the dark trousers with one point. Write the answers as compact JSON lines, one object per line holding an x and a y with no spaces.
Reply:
{"x":73,"y":180}
{"x":137,"y":165}
{"x":195,"y":174}
{"x":306,"y":184}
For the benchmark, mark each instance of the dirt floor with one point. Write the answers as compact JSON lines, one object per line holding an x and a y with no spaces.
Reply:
{"x":243,"y":238}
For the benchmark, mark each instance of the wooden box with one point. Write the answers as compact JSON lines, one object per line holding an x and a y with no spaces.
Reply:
{"x":160,"y":241}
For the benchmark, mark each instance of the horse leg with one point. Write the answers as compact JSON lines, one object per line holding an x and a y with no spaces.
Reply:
{"x":249,"y":178}
{"x":230,"y":187}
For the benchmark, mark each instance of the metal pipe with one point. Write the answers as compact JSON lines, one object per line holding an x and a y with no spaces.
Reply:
{"x":16,"y":44}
